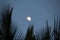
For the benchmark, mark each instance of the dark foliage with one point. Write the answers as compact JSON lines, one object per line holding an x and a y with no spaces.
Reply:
{"x":7,"y":34}
{"x":30,"y":35}
{"x":56,"y":29}
{"x":46,"y":34}
{"x":6,"y":24}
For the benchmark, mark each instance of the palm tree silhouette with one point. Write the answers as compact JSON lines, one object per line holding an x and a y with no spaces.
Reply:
{"x":6,"y":23}
{"x":7,"y":34}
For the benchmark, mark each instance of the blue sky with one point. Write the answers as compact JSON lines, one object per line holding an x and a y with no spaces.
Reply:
{"x":39,"y":10}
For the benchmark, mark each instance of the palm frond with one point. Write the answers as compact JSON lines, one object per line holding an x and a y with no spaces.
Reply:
{"x":29,"y":34}
{"x":6,"y":23}
{"x":46,"y":35}
{"x":56,"y":30}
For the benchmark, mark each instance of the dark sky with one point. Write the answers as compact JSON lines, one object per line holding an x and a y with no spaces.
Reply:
{"x":39,"y":10}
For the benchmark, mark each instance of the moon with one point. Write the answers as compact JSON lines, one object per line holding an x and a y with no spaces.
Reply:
{"x":28,"y":18}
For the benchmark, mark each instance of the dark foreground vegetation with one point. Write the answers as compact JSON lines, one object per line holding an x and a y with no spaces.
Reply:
{"x":6,"y":32}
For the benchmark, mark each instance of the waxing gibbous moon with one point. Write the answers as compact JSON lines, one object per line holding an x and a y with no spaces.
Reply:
{"x":28,"y":18}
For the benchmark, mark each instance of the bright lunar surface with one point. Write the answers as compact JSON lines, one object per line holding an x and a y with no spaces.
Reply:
{"x":28,"y":18}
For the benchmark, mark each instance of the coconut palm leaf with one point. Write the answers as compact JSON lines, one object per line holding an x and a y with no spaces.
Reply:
{"x":46,"y":35}
{"x":30,"y":35}
{"x":7,"y":24}
{"x":56,"y":30}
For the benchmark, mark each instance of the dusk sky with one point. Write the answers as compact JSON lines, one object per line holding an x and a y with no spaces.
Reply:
{"x":38,"y":10}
